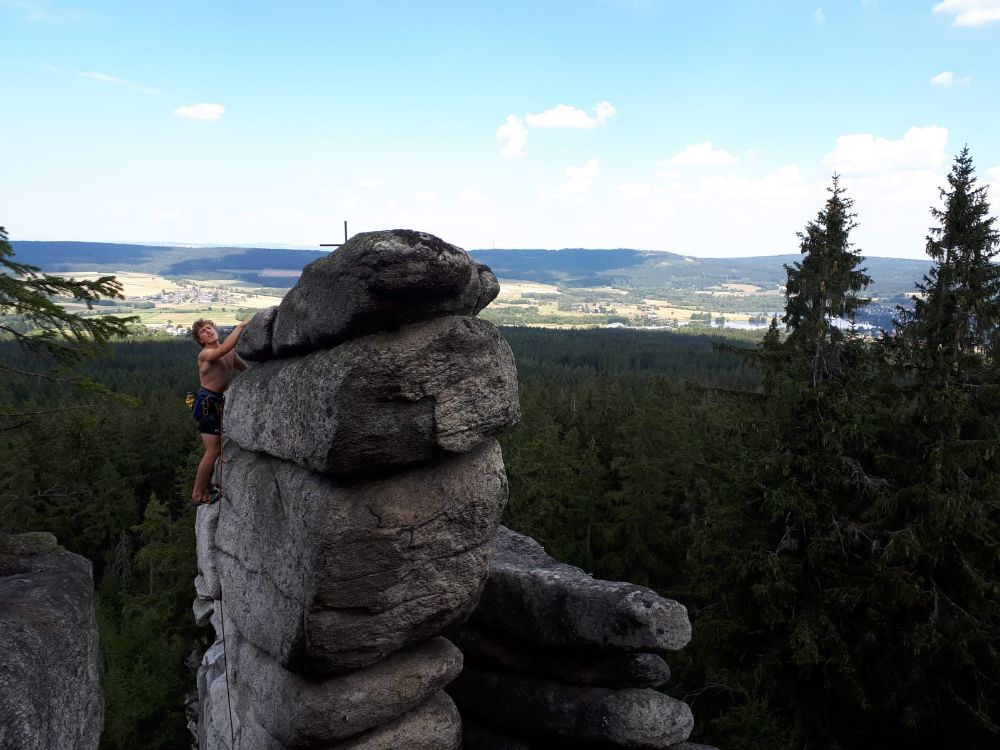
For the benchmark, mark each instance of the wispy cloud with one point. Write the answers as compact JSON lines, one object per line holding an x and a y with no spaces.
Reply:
{"x":203,"y":111}
{"x":374,"y":183}
{"x":580,"y":178}
{"x":970,"y":12}
{"x":473,"y":196}
{"x":701,"y":154}
{"x":115,"y":80}
{"x":633,"y":190}
{"x":864,"y":153}
{"x":515,"y":130}
{"x":819,"y":16}
{"x":43,"y":11}
{"x":516,"y":135}
{"x":947,"y":78}
{"x":94,"y":75}
{"x":993,"y":177}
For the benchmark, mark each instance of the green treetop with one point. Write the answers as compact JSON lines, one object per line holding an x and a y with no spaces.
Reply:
{"x":957,"y":313}
{"x":823,"y":287}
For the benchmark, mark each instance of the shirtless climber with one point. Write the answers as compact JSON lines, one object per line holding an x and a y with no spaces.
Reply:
{"x":216,"y":363}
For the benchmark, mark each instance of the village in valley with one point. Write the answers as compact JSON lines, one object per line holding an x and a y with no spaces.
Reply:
{"x":170,"y":305}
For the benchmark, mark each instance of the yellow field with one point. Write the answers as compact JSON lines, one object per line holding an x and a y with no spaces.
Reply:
{"x":518,"y":289}
{"x":136,"y":284}
{"x":666,"y":310}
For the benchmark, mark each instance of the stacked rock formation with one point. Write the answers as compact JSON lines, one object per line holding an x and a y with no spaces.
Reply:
{"x":50,"y":665}
{"x":361,"y":490}
{"x":557,"y":659}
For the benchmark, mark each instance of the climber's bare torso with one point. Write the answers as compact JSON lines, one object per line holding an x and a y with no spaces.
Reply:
{"x":216,"y":361}
{"x":216,"y":373}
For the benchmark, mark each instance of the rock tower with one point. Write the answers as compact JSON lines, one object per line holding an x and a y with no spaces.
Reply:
{"x":362,"y":490}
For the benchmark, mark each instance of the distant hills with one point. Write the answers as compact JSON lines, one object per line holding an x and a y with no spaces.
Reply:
{"x":648,"y":273}
{"x":257,"y":265}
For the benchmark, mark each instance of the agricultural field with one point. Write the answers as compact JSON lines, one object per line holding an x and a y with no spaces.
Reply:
{"x":175,"y":303}
{"x":172,"y":304}
{"x":550,"y":306}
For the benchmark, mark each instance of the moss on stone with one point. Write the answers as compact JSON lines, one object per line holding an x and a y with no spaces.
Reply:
{"x":28,"y":545}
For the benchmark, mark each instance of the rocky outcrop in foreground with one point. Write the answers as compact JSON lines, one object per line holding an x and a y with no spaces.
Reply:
{"x":359,"y":523}
{"x":362,"y":489}
{"x":50,"y":674}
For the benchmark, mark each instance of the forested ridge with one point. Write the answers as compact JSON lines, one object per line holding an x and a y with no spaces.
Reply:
{"x":826,"y":505}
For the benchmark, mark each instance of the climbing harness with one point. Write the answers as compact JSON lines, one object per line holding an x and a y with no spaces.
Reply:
{"x":203,"y":403}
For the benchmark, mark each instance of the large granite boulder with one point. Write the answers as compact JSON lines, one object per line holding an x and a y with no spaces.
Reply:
{"x":433,"y":725}
{"x":577,"y":667}
{"x":375,"y":282}
{"x":535,"y":598}
{"x":50,"y":680}
{"x":330,"y":577}
{"x":306,"y":711}
{"x":392,"y":399}
{"x":632,"y":717}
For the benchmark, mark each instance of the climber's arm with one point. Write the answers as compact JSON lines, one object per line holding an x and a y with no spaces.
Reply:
{"x":211,"y":355}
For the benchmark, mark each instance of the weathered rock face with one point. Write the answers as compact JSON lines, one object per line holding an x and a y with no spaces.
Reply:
{"x":577,"y":667}
{"x":301,"y":711}
{"x":50,"y":691}
{"x":385,"y":400}
{"x":376,"y":281}
{"x":540,"y":600}
{"x":362,"y":489}
{"x":327,"y":577}
{"x":556,"y":659}
{"x":630,"y":717}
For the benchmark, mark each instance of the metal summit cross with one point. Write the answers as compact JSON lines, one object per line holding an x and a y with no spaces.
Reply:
{"x":336,"y":244}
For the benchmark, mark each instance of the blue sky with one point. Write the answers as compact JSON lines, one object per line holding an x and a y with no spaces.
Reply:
{"x":704,"y":128}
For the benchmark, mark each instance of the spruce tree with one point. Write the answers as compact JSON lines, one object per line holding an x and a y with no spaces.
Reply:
{"x":822,"y":289}
{"x":944,"y":442}
{"x":956,"y":314}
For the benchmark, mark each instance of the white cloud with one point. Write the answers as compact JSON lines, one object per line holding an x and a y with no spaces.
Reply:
{"x":863,"y":153}
{"x":514,"y":132}
{"x":702,"y":153}
{"x":605,"y":111}
{"x":947,"y":78}
{"x":473,"y":196}
{"x":370,"y":183}
{"x":820,"y":16}
{"x":993,"y":179}
{"x":580,"y":178}
{"x":783,"y":188}
{"x":565,"y":116}
{"x":204,"y":111}
{"x":425,"y":195}
{"x":970,"y":12}
{"x":633,"y":190}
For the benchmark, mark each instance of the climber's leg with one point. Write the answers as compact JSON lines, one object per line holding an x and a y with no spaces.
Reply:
{"x":206,"y":467}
